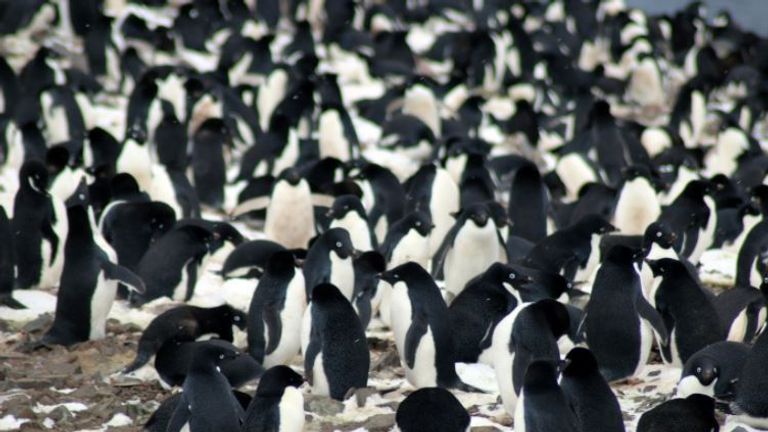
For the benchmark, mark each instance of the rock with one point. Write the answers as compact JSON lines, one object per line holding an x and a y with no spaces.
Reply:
{"x":40,"y":323}
{"x":61,"y":414}
{"x":485,"y":429}
{"x":362,"y":394}
{"x":379,"y":423}
{"x":322,"y":405}
{"x":387,"y":360}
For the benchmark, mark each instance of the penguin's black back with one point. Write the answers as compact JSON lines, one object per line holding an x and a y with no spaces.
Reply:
{"x":431,"y":409}
{"x":695,"y":413}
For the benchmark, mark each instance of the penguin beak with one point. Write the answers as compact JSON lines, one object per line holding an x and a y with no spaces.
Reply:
{"x":707,"y":377}
{"x":525,"y":280}
{"x":387,"y":277}
{"x":562,"y":364}
{"x":356,"y":253}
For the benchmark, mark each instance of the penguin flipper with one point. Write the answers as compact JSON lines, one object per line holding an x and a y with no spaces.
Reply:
{"x":439,"y":259}
{"x":126,"y":277}
{"x":652,"y":316}
{"x":271,"y":317}
{"x":313,"y":349}
{"x":247,"y":206}
{"x":416,"y":331}
{"x":50,"y":236}
{"x":180,"y":415}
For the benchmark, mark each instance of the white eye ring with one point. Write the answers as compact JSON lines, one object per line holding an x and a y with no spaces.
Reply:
{"x":418,"y":224}
{"x":221,"y":356}
{"x":698,"y":369}
{"x":237,"y":318}
{"x":338,"y":244}
{"x":511,"y":275}
{"x":658,"y":234}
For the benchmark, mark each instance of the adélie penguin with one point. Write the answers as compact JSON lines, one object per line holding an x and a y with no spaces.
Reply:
{"x":330,"y":260}
{"x":751,"y":404}
{"x":336,"y":357}
{"x":277,"y":307}
{"x":207,"y":403}
{"x":7,"y":263}
{"x":431,"y":409}
{"x":422,"y":328}
{"x":696,"y":413}
{"x":543,"y":406}
{"x":278,"y":404}
{"x":347,"y":212}
{"x":593,"y":401}
{"x":88,"y":281}
{"x":714,"y":371}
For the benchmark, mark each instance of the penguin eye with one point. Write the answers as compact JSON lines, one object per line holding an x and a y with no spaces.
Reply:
{"x":715,"y":371}
{"x":221,"y":356}
{"x":658,"y":235}
{"x":418,"y":224}
{"x":698,"y":369}
{"x":512,"y":276}
{"x":236,"y":318}
{"x":338,"y":244}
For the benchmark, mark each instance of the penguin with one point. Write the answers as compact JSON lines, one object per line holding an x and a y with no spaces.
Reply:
{"x":348,"y":213}
{"x":694,"y":413}
{"x":529,"y":333}
{"x":210,"y":141}
{"x":543,"y":406}
{"x":431,"y":187}
{"x":588,"y":393}
{"x":472,"y":244}
{"x":276,"y":310}
{"x":714,"y":371}
{"x":692,"y":215}
{"x":742,"y":312}
{"x":88,"y":281}
{"x":185,"y":324}
{"x":330,"y":260}
{"x":39,"y":227}
{"x":486,"y":300}
{"x":383,"y":196}
{"x":750,"y":264}
{"x":646,"y":83}
{"x":690,"y":318}
{"x":174,"y":357}
{"x":7,"y":263}
{"x":751,"y":404}
{"x":574,"y":251}
{"x":528,"y":204}
{"x":408,"y":240}
{"x":367,"y":266}
{"x":207,"y":402}
{"x":336,"y":357}
{"x":171,"y":264}
{"x":159,"y":420}
{"x":421,"y":326}
{"x":431,"y":408}
{"x":637,"y":205}
{"x":278,"y":404}
{"x":248,"y":259}
{"x":621,"y":348}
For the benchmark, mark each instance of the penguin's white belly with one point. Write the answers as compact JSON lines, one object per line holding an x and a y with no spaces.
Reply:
{"x":444,"y":202}
{"x":291,"y":320}
{"x":637,"y":207}
{"x":50,"y":275}
{"x":291,"y":410}
{"x":472,"y":253}
{"x":162,"y":190}
{"x":290,"y":218}
{"x":691,"y":385}
{"x":412,"y":247}
{"x":707,"y":235}
{"x":738,"y":329}
{"x":519,"y":414}
{"x":357,"y":228}
{"x":646,"y":341}
{"x":593,"y":261}
{"x":331,"y":139}
{"x":424,"y":372}
{"x":503,"y":366}
{"x":135,"y":160}
{"x":101,"y":303}
{"x":319,"y":380}
{"x":343,"y":275}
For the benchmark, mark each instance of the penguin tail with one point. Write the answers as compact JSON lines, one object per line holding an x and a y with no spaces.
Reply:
{"x":141,"y":359}
{"x":9,"y":301}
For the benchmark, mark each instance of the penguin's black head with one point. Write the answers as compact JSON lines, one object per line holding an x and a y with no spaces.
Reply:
{"x":227,"y":233}
{"x":555,"y":314}
{"x":595,"y":224}
{"x":621,"y":255}
{"x":338,"y":241}
{"x":371,"y":261}
{"x":479,"y":214}
{"x":659,"y":233}
{"x":80,"y":196}
{"x":163,"y":217}
{"x":34,"y":175}
{"x":211,"y":351}
{"x":235,"y":316}
{"x":325,"y":293}
{"x":123,"y":185}
{"x":56,"y":159}
{"x":698,"y":188}
{"x":420,"y":221}
{"x":580,"y":362}
{"x":345,"y":204}
{"x":281,"y":263}
{"x":705,"y":369}
{"x":541,"y":375}
{"x":291,"y":175}
{"x":403,"y":273}
{"x":503,"y":273}
{"x":213,"y":129}
{"x":665,"y":266}
{"x":276,"y":379}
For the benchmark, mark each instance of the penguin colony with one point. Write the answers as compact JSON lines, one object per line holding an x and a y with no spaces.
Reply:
{"x":526,"y":185}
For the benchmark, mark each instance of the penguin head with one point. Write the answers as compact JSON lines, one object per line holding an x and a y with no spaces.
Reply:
{"x":579,"y":362}
{"x":34,"y":175}
{"x":595,"y":224}
{"x":697,"y":189}
{"x":56,"y":159}
{"x":478,"y":214}
{"x":235,"y":316}
{"x":505,"y":274}
{"x":541,"y":375}
{"x":224,"y":232}
{"x":79,"y":197}
{"x":555,"y":315}
{"x":420,"y":221}
{"x":406,"y":272}
{"x":326,"y":293}
{"x":705,"y":369}
{"x":344,"y":204}
{"x":621,"y":255}
{"x":659,"y":233}
{"x":291,"y":175}
{"x":276,"y":379}
{"x":281,"y":263}
{"x":337,"y":240}
{"x":210,"y":351}
{"x":371,"y":262}
{"x":665,"y":266}
{"x":123,"y":185}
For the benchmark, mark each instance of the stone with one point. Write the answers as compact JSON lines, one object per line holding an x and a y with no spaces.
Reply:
{"x":322,"y":405}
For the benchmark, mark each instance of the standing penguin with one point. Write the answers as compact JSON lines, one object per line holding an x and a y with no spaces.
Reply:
{"x":421,"y":327}
{"x":596,"y":407}
{"x":742,"y":312}
{"x":431,"y":409}
{"x":336,"y":357}
{"x":431,"y":187}
{"x":39,"y":228}
{"x":687,"y":311}
{"x":637,"y":205}
{"x":696,"y":413}
{"x":7,"y":263}
{"x":347,"y":212}
{"x":208,"y":164}
{"x":330,"y":260}
{"x":749,"y":263}
{"x":751,"y":404}
{"x":408,"y":240}
{"x":543,"y":406}
{"x":277,"y":307}
{"x":207,"y":403}
{"x":622,"y":347}
{"x":692,"y":215}
{"x":468,"y":249}
{"x":278,"y":404}
{"x":290,"y":216}
{"x":88,"y":282}
{"x":714,"y":371}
